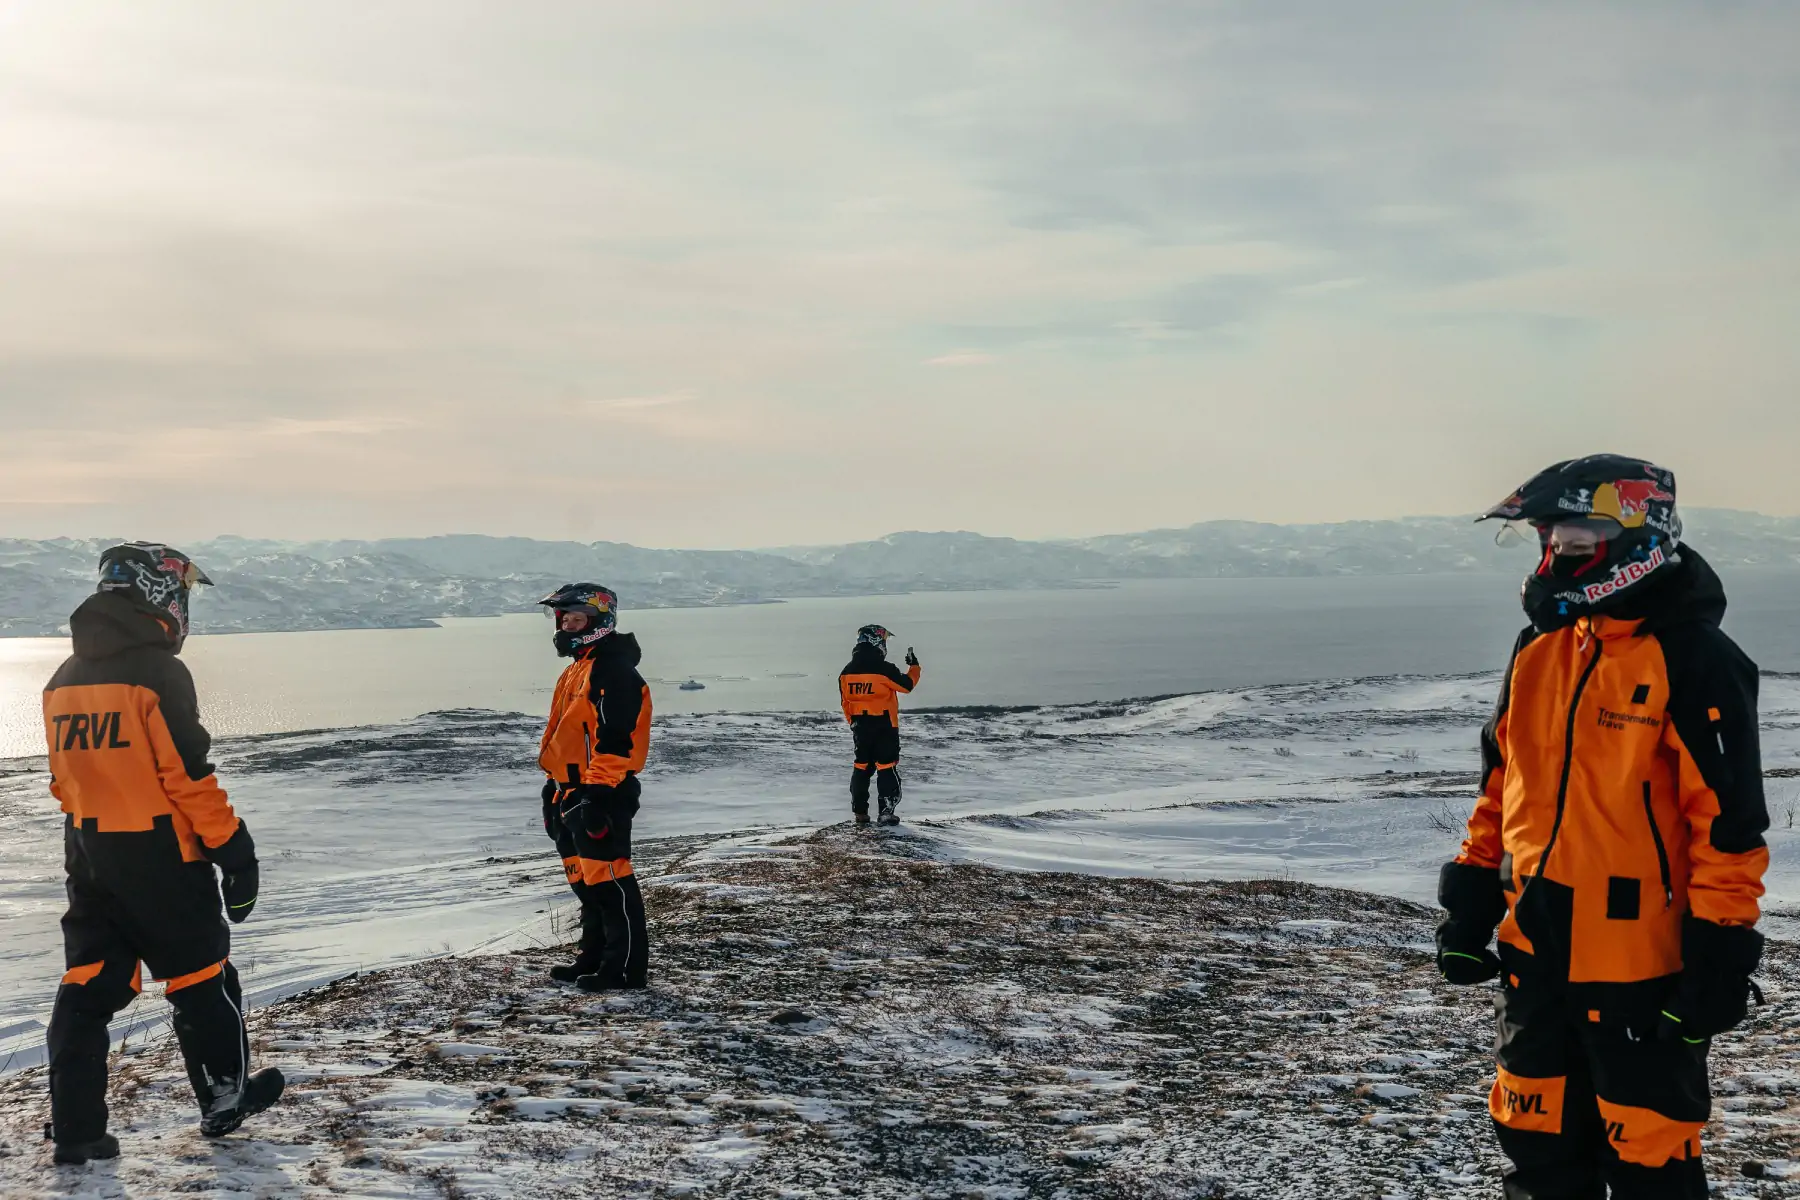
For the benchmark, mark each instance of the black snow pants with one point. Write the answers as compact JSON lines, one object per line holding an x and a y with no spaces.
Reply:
{"x":615,"y":939}
{"x":180,"y":934}
{"x":1586,"y":1100}
{"x":878,"y":758}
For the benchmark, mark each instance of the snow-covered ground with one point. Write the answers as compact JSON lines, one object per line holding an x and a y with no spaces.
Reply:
{"x":396,"y":843}
{"x":845,"y":1013}
{"x":419,"y":844}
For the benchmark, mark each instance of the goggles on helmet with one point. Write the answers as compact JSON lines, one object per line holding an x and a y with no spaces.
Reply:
{"x":598,"y":604}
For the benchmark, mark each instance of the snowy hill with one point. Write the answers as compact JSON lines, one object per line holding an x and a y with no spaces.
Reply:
{"x":843,"y":1013}
{"x":1022,"y":992}
{"x":268,"y":586}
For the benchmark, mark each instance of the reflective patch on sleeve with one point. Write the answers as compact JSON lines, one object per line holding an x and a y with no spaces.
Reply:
{"x":1532,"y":1105}
{"x":1646,"y":1137}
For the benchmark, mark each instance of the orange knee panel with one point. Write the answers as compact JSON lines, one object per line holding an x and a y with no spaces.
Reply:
{"x":1646,"y":1137}
{"x":84,"y":973}
{"x":594,"y":870}
{"x":87,"y":972}
{"x":1531,"y":1105}
{"x":192,"y":977}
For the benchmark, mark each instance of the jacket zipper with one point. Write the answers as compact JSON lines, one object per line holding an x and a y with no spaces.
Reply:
{"x":1562,"y":790}
{"x":1662,"y":854}
{"x":587,"y":742}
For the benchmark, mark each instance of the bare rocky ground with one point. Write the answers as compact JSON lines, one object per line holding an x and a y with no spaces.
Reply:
{"x":840,"y":1014}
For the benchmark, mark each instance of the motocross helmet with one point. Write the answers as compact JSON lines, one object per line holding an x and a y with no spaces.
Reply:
{"x":1620,"y":513}
{"x":156,"y":579}
{"x":599,"y":604}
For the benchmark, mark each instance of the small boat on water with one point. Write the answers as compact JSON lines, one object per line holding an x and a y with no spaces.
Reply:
{"x":693,"y":685}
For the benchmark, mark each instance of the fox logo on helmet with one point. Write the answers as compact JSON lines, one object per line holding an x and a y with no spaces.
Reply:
{"x":153,"y":577}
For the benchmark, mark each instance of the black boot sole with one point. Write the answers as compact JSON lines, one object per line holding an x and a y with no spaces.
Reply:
{"x":260,"y":1094}
{"x":74,"y":1154}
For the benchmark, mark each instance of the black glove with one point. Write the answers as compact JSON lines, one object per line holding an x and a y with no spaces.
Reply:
{"x":1463,"y":960}
{"x":553,"y":825}
{"x":1475,"y":905}
{"x":236,"y":857}
{"x":240,"y":893}
{"x":1713,"y":993}
{"x":597,"y":809}
{"x":912,"y":660}
{"x":235,"y":853}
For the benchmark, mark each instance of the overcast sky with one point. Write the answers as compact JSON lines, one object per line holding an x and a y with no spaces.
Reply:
{"x":744,"y":273}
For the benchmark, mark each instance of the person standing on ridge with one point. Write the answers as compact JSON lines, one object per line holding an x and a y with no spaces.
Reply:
{"x":147,"y":825}
{"x":594,"y":746}
{"x":1617,"y":844}
{"x":870,"y":688}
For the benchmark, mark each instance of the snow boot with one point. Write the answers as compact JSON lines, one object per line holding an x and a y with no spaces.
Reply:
{"x":888,"y":815}
{"x":233,"y":1101}
{"x":861,"y":815}
{"x":570,"y":972}
{"x":73,"y":1154}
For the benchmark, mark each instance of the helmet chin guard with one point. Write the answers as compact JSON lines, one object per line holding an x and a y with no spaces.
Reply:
{"x":599,"y":604}
{"x":1619,"y":511}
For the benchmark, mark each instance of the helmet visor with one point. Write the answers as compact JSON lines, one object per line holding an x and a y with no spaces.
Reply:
{"x":1580,"y":538}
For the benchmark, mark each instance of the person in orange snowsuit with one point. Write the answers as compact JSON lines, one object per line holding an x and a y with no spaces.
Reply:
{"x":870,"y":688}
{"x":594,"y":745}
{"x":149,"y":832}
{"x":1617,"y":845}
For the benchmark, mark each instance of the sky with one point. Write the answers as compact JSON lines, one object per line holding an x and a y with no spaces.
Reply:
{"x":750,"y":273}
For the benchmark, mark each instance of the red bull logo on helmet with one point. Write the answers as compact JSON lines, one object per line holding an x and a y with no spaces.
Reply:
{"x":1624,"y":575}
{"x":1628,"y":501}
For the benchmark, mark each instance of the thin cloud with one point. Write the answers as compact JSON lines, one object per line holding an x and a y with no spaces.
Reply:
{"x":673,"y":415}
{"x":1212,"y":255}
{"x":662,"y":401}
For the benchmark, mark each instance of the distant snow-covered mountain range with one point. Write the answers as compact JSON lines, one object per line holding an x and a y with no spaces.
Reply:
{"x":270,"y":586}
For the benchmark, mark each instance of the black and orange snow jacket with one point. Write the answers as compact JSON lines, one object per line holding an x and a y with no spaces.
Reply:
{"x":1622,"y":788}
{"x":128,"y":755}
{"x":599,"y":729}
{"x":871,"y":686}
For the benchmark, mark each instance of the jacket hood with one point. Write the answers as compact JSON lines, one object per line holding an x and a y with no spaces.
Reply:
{"x":1692,"y":592}
{"x":864,"y":652}
{"x":617,"y":650}
{"x":107,"y":624}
